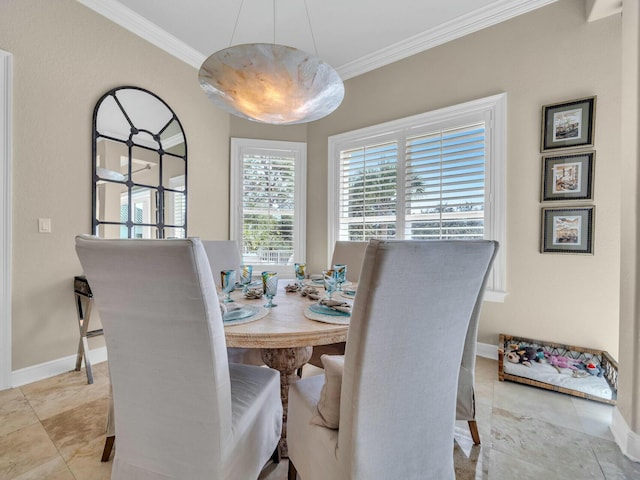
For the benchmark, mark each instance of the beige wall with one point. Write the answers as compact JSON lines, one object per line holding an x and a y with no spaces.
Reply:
{"x":547,"y":56}
{"x":65,"y":57}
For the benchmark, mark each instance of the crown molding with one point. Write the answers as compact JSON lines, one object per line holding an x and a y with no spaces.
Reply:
{"x":496,"y":12}
{"x":130,"y":20}
{"x":492,"y":14}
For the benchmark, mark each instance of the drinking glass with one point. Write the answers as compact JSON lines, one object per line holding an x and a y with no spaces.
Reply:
{"x":300,"y":273}
{"x":270,"y":287}
{"x":330,"y":282}
{"x":228,"y":281}
{"x":341,"y":275}
{"x":246,"y":271}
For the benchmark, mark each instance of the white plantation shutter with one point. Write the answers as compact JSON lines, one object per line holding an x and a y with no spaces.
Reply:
{"x":437,"y":175}
{"x":444,"y":184}
{"x":268,"y":202}
{"x":268,"y":206}
{"x":368,"y":198}
{"x":179,"y":207}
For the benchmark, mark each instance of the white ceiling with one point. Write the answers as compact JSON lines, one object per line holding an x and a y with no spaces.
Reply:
{"x":353,"y":36}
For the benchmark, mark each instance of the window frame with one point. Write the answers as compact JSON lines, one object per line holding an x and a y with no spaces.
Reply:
{"x":493,"y":110}
{"x":239,"y":147}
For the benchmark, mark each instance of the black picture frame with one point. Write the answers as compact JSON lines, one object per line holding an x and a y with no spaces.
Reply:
{"x":568,"y":176}
{"x":568,"y":124}
{"x":567,"y":230}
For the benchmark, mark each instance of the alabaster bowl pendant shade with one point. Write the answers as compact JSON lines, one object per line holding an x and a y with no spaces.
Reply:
{"x":271,"y":83}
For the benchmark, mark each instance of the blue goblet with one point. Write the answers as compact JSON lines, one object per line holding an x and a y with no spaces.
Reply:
{"x":341,"y":274}
{"x":228,"y":281}
{"x":330,"y":282}
{"x":246,"y":272}
{"x":300,"y":269}
{"x":270,"y":287}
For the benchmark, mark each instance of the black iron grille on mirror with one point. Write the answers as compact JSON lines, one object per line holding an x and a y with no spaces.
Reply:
{"x":139,"y":167}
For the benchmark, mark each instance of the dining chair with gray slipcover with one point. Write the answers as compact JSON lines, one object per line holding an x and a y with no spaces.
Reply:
{"x":181,"y":410}
{"x":225,"y":255}
{"x":390,"y":411}
{"x":222,"y":255}
{"x":466,"y":398}
{"x":350,"y":254}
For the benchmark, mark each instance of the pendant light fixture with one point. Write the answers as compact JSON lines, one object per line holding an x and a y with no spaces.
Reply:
{"x":271,"y":83}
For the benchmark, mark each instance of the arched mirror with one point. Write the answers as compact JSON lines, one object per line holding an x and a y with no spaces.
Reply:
{"x":139,"y":167}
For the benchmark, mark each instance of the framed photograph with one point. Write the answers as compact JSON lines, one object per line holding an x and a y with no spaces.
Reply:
{"x":568,"y":176}
{"x":569,"y":124}
{"x":567,"y":230}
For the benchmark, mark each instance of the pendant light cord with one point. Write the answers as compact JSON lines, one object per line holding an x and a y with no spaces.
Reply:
{"x":235,"y":26}
{"x":313,"y":38}
{"x":306,"y":9}
{"x":274,"y":21}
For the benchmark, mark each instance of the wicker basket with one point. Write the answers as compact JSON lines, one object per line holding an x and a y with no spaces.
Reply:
{"x":603,"y":358}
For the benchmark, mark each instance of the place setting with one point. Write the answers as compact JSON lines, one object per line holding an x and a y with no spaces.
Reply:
{"x":236,"y":313}
{"x":325,"y":308}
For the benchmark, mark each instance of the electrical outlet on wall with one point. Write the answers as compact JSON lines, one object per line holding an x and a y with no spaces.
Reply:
{"x":44,"y":225}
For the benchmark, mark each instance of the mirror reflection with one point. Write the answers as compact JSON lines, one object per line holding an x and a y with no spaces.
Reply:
{"x":139,"y":168}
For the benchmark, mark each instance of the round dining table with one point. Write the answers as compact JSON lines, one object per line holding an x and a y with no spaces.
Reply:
{"x":286,"y":339}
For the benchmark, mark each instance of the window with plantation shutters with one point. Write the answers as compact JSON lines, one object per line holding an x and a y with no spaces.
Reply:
{"x":267,"y":201}
{"x":437,"y":175}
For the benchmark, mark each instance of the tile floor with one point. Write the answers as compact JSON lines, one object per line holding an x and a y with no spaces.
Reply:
{"x":54,"y":430}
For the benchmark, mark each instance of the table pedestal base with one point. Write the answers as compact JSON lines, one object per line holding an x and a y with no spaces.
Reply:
{"x":286,"y":361}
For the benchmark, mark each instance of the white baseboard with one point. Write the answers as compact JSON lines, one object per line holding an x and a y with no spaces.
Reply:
{"x":54,"y":367}
{"x":627,"y":440}
{"x":487,"y":350}
{"x":98,"y":355}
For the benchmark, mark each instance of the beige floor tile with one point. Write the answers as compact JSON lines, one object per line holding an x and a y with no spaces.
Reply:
{"x":503,"y":466}
{"x":24,"y":450}
{"x":467,"y":460}
{"x":484,"y":414}
{"x":532,"y":440}
{"x":67,"y":391}
{"x":595,"y":417}
{"x":15,"y":411}
{"x":527,"y":433}
{"x":486,"y":377}
{"x":486,"y":369}
{"x":85,"y":463}
{"x":615,"y":465}
{"x":275,"y":472}
{"x":555,"y":408}
{"x":73,"y":429}
{"x":55,"y":469}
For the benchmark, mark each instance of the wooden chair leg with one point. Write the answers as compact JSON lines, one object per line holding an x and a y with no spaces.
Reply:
{"x":473,"y":428}
{"x":275,"y":457}
{"x":293,"y":474}
{"x":108,"y":446}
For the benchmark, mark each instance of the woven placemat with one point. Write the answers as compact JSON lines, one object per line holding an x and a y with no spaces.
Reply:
{"x":260,"y":312}
{"x":334,"y":319}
